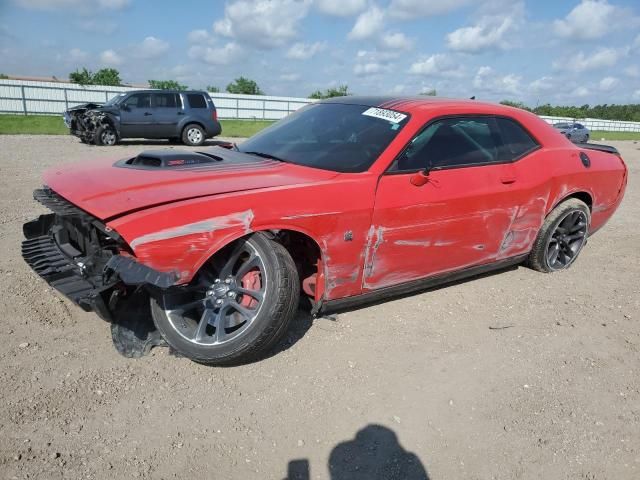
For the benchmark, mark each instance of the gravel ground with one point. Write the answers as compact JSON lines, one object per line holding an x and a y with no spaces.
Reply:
{"x":415,"y":387}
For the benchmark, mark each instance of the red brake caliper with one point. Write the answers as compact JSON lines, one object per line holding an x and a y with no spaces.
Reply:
{"x":251,"y":281}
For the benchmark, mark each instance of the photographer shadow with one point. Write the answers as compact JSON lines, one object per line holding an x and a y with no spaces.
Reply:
{"x":374,"y":454}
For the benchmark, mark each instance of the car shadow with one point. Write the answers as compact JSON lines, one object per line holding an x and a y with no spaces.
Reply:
{"x":373,"y":454}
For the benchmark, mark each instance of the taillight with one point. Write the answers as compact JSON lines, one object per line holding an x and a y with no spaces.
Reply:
{"x":214,"y":115}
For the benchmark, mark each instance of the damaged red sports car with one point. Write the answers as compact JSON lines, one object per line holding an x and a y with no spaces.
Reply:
{"x":345,"y":201}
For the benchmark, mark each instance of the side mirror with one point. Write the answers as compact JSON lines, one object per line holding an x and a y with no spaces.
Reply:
{"x":418,"y":179}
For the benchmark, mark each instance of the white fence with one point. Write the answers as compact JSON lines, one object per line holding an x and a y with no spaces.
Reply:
{"x":597,"y":124}
{"x":52,"y":98}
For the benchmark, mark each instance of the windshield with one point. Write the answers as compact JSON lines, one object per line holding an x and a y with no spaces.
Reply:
{"x":116,"y":99}
{"x":331,"y":136}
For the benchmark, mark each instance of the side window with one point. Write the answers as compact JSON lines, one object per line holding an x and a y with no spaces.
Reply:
{"x":579,"y":126}
{"x":453,"y":142}
{"x":517,"y":142}
{"x":165,"y":100}
{"x":196,"y":100}
{"x":139,"y":100}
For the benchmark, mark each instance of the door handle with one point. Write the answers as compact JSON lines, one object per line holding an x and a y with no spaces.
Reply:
{"x":507,"y":180}
{"x":180,"y":113}
{"x":146,"y":114}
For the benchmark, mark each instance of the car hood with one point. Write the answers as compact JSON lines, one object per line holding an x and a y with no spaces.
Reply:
{"x":108,"y":189}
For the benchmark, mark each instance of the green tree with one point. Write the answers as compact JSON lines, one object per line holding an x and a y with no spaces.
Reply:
{"x":213,"y":89}
{"x":3,"y":76}
{"x":339,"y":91}
{"x":167,"y":85}
{"x":107,"y":76}
{"x":245,"y":86}
{"x":104,"y":76}
{"x":520,"y":105}
{"x":81,"y":77}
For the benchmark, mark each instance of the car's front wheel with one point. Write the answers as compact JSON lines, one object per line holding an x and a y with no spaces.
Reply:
{"x":236,"y":308}
{"x":562,"y":236}
{"x":193,"y":135}
{"x":106,"y":135}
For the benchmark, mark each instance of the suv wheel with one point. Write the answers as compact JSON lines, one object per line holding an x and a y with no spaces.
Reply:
{"x":237,"y":307}
{"x":106,"y":135}
{"x":193,"y":135}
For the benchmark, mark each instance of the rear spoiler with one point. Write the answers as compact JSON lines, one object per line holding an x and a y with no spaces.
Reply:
{"x":600,"y":148}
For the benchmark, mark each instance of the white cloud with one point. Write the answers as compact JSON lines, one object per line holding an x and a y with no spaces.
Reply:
{"x":370,"y":68}
{"x":110,"y":57}
{"x":304,"y":51}
{"x":608,"y":83}
{"x":290,"y":77}
{"x":367,"y":24}
{"x":602,"y":58}
{"x":82,"y":5}
{"x":77,"y":55}
{"x":489,"y":32}
{"x":396,"y":41}
{"x":341,"y":8}
{"x":582,"y":92}
{"x":487,"y":80}
{"x":633,"y":71}
{"x":398,"y":89}
{"x":262,"y":23}
{"x":198,"y":36}
{"x":636,"y":95}
{"x":410,"y":9}
{"x":224,"y":55}
{"x":590,"y":19}
{"x":438,"y":65}
{"x":150,"y":47}
{"x":542,"y":84}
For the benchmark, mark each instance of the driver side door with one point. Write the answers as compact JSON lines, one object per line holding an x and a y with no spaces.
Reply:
{"x":461,"y":217}
{"x":136,"y":117}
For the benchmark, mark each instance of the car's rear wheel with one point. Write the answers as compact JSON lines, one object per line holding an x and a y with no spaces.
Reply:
{"x":106,"y":135}
{"x":193,"y":135}
{"x":236,"y":308}
{"x":561,"y":237}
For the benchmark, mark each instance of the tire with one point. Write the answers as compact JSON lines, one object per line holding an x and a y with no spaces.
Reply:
{"x":586,"y":139}
{"x":193,"y":135}
{"x":106,"y":135}
{"x":569,"y":137}
{"x":563,"y":234}
{"x":189,"y":318}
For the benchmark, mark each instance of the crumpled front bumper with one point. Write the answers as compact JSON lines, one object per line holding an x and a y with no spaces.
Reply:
{"x":63,"y":248}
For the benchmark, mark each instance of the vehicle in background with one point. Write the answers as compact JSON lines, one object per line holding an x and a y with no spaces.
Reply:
{"x":576,"y":132}
{"x":187,"y":116}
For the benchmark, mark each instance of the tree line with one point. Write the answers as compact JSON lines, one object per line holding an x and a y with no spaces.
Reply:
{"x":629,"y":113}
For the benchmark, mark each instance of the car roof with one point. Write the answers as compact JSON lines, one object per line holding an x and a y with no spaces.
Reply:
{"x":410,"y":104}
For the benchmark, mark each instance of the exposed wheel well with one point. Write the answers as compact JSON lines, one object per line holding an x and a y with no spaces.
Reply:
{"x":306,"y":254}
{"x":583,"y":196}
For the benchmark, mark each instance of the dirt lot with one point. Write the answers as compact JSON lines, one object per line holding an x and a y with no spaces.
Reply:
{"x":425,"y":382}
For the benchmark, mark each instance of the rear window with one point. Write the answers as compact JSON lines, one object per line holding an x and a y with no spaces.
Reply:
{"x":165,"y":100}
{"x":517,"y":142}
{"x":196,"y":100}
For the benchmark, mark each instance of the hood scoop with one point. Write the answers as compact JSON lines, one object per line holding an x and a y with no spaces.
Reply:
{"x":169,"y":160}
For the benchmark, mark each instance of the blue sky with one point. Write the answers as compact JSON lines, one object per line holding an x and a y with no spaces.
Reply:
{"x":562,"y":51}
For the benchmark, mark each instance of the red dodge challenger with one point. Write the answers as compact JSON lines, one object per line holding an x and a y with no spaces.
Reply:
{"x":345,"y":201}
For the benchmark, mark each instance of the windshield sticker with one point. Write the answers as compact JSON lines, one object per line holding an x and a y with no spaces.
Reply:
{"x":389,"y":115}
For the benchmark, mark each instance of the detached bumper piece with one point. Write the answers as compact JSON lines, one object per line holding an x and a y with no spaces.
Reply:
{"x":43,"y":255}
{"x":79,"y":256}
